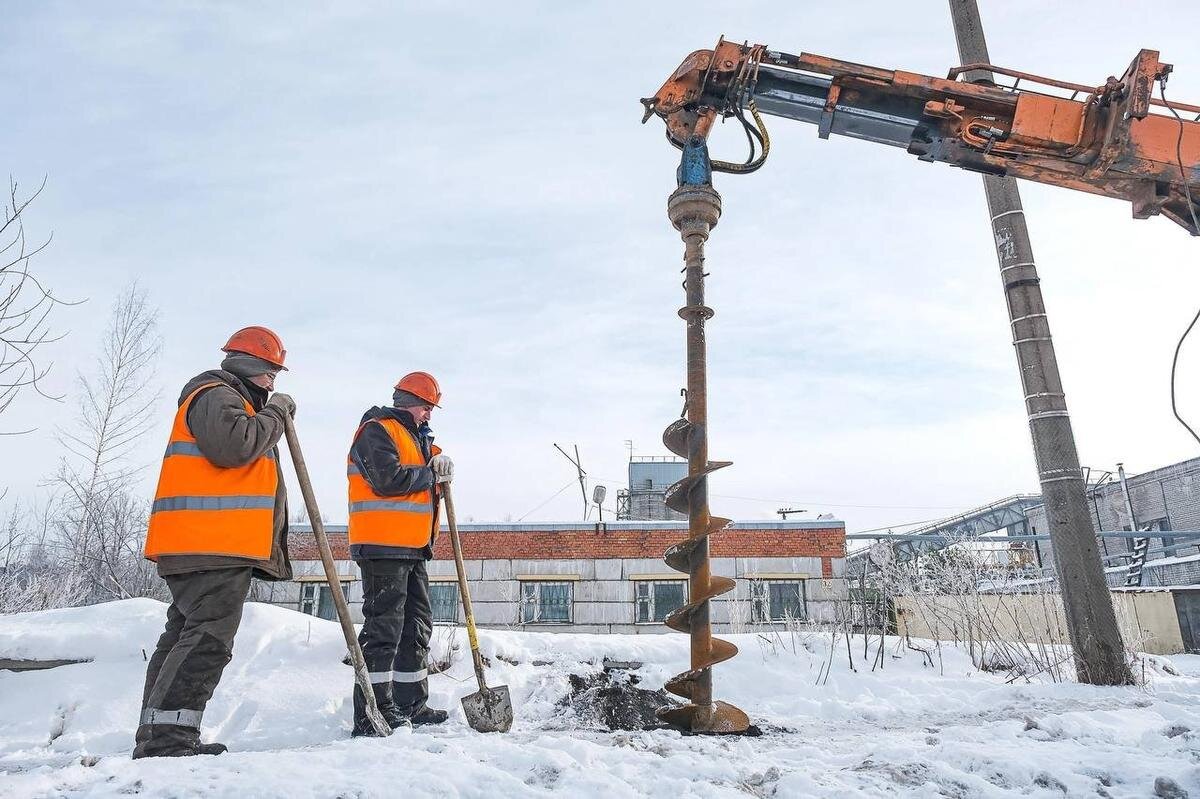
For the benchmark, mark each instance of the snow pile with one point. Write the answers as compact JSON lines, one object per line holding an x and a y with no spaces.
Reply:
{"x":283,"y":707}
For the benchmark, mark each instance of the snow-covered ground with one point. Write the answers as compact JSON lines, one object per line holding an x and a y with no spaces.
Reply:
{"x":283,"y":708}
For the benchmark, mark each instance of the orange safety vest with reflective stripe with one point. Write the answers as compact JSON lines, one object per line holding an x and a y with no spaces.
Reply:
{"x":408,"y":520}
{"x":203,"y":509}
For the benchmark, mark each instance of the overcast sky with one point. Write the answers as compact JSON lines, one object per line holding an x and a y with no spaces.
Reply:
{"x":465,"y":189}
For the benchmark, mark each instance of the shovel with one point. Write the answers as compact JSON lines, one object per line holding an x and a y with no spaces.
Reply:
{"x":335,"y":585}
{"x":488,"y":709}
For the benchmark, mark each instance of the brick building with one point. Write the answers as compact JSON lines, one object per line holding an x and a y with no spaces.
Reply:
{"x":600,"y":577}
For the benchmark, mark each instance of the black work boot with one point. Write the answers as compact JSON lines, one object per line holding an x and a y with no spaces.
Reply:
{"x":387,"y":708}
{"x":428,"y":715}
{"x":213,"y":748}
{"x":165,"y":740}
{"x":395,"y":718}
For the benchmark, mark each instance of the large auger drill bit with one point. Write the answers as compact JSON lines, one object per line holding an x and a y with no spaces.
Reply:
{"x":694,"y":208}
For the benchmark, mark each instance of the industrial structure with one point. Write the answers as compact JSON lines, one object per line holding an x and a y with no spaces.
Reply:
{"x":1165,"y":504}
{"x":1008,"y":515}
{"x":1161,"y":500}
{"x":645,"y":498}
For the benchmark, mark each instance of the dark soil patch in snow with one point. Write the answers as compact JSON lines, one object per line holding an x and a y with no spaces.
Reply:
{"x":1167,"y":788}
{"x":612,"y":700}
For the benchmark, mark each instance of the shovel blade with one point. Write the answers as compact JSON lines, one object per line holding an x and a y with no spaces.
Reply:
{"x":489,"y":710}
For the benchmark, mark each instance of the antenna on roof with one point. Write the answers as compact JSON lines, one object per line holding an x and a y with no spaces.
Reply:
{"x":582,"y":474}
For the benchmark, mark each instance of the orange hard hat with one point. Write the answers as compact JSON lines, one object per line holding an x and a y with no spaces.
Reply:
{"x":423,"y":385}
{"x":259,"y":342}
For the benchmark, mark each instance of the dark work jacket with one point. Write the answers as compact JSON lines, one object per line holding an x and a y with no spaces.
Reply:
{"x":375,"y":455}
{"x":230,"y":437}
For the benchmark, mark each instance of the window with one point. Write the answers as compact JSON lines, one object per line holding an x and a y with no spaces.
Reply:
{"x":655,"y":599}
{"x":444,"y":599}
{"x":317,"y":600}
{"x":545,"y":602}
{"x":777,"y":600}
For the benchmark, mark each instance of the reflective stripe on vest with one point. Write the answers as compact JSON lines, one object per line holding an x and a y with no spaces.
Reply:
{"x":389,"y":504}
{"x":190,"y":448}
{"x":212,"y":503}
{"x":401,"y":521}
{"x":204,"y":509}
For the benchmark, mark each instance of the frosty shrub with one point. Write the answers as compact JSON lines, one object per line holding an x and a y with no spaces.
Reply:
{"x":1008,"y":617}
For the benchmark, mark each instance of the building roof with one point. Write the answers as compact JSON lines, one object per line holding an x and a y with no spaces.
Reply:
{"x":551,"y":541}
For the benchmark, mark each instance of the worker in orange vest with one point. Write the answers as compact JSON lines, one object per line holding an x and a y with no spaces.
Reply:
{"x":393,"y":471}
{"x":219,"y":518}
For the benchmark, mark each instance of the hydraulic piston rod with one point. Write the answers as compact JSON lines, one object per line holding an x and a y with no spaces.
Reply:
{"x":694,"y":208}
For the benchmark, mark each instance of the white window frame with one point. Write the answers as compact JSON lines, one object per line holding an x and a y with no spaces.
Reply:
{"x":531,"y":595}
{"x":648,"y":599}
{"x":761,"y":611}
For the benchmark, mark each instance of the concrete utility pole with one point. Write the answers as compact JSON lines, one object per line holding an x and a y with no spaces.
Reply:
{"x":1091,"y":623}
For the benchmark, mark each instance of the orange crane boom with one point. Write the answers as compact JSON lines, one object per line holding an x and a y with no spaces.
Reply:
{"x":1115,"y":139}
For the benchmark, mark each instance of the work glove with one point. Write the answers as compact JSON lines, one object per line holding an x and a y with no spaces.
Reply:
{"x":284,"y":403}
{"x":443,"y":468}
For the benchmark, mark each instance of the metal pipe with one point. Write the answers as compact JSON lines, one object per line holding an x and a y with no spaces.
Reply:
{"x":1133,"y":525}
{"x":942,"y":539}
{"x":1060,"y":84}
{"x":696,"y":312}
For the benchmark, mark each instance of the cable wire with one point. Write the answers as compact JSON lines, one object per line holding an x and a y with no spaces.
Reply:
{"x":892,"y":527}
{"x":765,"y":500}
{"x":574,"y":480}
{"x":1174,"y":364}
{"x":1187,"y":190}
{"x":760,"y":133}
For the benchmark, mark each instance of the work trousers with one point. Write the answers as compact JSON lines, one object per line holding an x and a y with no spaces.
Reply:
{"x":202,"y":620}
{"x":398,"y":623}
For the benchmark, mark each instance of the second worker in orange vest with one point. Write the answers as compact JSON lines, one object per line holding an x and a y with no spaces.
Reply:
{"x":393,"y":471}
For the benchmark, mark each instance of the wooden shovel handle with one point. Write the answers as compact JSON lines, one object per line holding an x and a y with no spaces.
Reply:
{"x":331,"y":576}
{"x":463,"y":591}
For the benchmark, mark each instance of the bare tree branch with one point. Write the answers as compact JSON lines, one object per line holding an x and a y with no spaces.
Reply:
{"x":25,"y":305}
